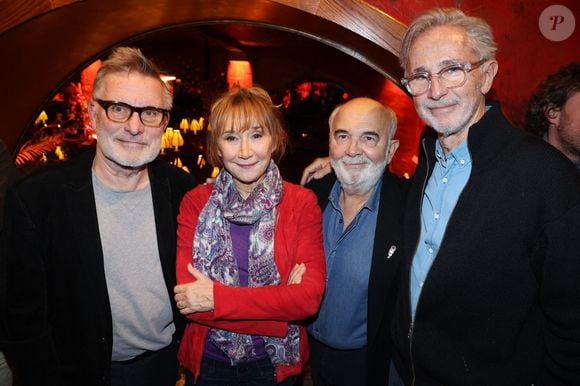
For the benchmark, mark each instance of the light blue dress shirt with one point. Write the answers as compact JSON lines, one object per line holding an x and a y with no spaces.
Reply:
{"x":449,"y":177}
{"x":342,"y":320}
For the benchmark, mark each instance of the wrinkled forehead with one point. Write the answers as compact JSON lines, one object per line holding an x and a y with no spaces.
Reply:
{"x":360,"y":120}
{"x":439,"y":46}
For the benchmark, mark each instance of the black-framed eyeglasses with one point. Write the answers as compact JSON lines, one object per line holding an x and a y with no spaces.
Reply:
{"x":450,"y":76}
{"x":121,"y":112}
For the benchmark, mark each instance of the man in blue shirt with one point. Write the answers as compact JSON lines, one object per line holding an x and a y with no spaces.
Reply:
{"x":349,"y":338}
{"x":489,"y":291}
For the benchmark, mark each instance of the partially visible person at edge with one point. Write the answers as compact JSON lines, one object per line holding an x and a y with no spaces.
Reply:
{"x":250,"y":259}
{"x":554,"y":111}
{"x":88,"y":258}
{"x":8,"y":174}
{"x":362,"y":205}
{"x":490,"y":292}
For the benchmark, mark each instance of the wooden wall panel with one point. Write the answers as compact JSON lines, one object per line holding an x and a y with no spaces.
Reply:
{"x":357,"y":16}
{"x":17,"y":12}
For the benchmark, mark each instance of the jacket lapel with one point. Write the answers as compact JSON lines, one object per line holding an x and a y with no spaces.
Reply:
{"x":387,"y":252}
{"x":164,"y":222}
{"x":80,"y":203}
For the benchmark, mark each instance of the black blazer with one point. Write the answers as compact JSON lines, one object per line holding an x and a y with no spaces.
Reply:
{"x":384,"y":275}
{"x":54,"y":305}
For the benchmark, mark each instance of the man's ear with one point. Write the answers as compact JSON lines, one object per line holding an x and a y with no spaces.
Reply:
{"x":552,"y":114}
{"x":391,"y":149}
{"x":489,"y":72}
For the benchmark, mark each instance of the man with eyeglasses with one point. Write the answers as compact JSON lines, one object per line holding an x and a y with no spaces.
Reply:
{"x":88,"y":248}
{"x":490,"y":292}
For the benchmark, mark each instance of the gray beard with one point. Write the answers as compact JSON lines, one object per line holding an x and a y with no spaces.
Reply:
{"x":361,"y":182}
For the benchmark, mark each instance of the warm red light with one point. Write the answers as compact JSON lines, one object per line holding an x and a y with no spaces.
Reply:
{"x":88,"y":78}
{"x":303,"y":89}
{"x":409,"y":127}
{"x":239,"y":74}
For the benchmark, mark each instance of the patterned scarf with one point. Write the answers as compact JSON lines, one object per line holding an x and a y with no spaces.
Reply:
{"x":212,"y":254}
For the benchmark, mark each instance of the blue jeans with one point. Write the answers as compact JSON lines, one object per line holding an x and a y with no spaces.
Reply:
{"x":258,"y":373}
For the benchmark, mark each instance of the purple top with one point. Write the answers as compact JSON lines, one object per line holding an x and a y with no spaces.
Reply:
{"x":240,"y":234}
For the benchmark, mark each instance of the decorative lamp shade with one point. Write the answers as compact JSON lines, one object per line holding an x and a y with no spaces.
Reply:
{"x":167,"y":139}
{"x":42,"y":117}
{"x":194,"y":126}
{"x":177,"y":139}
{"x":215,"y":172}
{"x":169,"y":80}
{"x":184,"y":125}
{"x":239,"y":74}
{"x":88,"y":78}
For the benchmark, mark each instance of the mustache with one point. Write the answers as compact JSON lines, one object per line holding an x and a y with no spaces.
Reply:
{"x":359,"y":159}
{"x":438,"y":104}
{"x":141,"y":141}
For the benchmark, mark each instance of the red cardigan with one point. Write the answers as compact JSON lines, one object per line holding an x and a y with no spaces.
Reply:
{"x":262,"y":310}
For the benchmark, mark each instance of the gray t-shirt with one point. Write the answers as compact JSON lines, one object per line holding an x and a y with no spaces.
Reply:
{"x":140,"y":304}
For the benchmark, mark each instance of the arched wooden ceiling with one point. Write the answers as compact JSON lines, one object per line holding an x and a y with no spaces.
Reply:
{"x":43,"y":42}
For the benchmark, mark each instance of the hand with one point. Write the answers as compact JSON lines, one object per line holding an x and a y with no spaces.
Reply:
{"x":296,"y":274}
{"x":209,"y":180}
{"x":317,"y":169}
{"x":196,"y":296}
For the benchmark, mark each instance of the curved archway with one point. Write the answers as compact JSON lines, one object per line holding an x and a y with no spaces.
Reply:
{"x":43,"y":51}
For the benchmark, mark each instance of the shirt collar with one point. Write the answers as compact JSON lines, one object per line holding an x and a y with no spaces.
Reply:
{"x":372,"y":203}
{"x":459,"y":155}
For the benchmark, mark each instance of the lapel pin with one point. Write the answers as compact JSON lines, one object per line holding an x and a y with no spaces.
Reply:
{"x":391,"y":252}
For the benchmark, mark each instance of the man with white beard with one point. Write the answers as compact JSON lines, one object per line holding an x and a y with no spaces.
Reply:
{"x":362,"y":214}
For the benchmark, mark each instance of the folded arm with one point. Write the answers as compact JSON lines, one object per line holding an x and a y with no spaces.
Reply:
{"x":263,"y":310}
